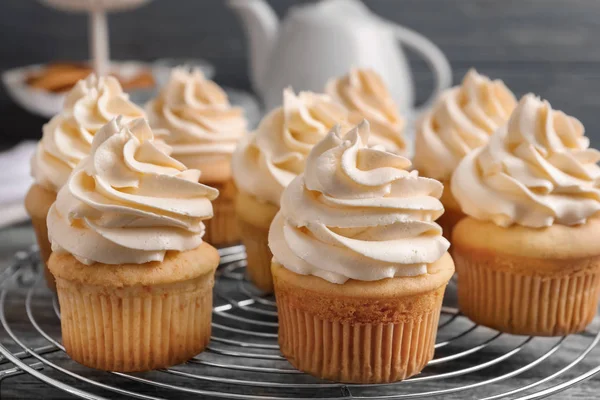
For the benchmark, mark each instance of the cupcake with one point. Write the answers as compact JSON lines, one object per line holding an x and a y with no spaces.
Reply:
{"x":365,"y":95}
{"x":266,"y":162}
{"x":359,"y":265}
{"x":461,"y":120}
{"x":204,"y":130}
{"x":527,"y":254}
{"x":66,"y":140}
{"x":133,"y":275}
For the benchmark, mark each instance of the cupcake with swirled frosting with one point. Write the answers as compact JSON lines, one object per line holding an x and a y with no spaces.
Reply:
{"x":204,"y":130}
{"x":66,"y":140}
{"x":134,"y":277}
{"x":357,"y":254}
{"x":527,"y":256}
{"x":268,"y":160}
{"x":461,"y":120}
{"x":365,"y":95}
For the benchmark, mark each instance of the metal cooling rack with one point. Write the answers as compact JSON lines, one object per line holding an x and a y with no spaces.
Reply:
{"x":243,"y":361}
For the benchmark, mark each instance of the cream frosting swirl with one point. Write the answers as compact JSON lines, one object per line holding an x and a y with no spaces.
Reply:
{"x":67,"y":137}
{"x":461,"y":120}
{"x":537,"y":170}
{"x":129,"y":201}
{"x":358,"y":213}
{"x":365,"y":95}
{"x":203,"y":127}
{"x":271,"y":157}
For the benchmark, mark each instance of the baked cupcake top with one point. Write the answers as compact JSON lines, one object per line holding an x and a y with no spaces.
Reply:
{"x":267,"y":160}
{"x":537,"y":170}
{"x":358,"y":213}
{"x":129,"y":201}
{"x":203,"y":127}
{"x":67,"y":137}
{"x":365,"y":95}
{"x":461,"y":119}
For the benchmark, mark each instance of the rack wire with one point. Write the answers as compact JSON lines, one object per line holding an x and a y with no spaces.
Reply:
{"x":243,"y":360}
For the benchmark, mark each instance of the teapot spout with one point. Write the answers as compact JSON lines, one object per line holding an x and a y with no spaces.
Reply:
{"x":261,"y":25}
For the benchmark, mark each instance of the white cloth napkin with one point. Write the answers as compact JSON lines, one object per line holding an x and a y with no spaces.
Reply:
{"x":15,"y":180}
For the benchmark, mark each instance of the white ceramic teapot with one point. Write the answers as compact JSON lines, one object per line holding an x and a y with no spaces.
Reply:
{"x":323,"y":40}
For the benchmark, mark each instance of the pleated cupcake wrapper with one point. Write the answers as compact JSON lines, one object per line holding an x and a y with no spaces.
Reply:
{"x":222,"y":228}
{"x":524,"y":304}
{"x":356,"y":353}
{"x":41,"y":233}
{"x":259,"y":255}
{"x":142,"y":331}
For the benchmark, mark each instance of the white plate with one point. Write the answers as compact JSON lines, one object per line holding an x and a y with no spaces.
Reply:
{"x":48,"y":104}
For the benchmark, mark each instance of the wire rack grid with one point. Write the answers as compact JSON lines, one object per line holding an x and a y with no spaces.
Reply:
{"x":243,"y":360}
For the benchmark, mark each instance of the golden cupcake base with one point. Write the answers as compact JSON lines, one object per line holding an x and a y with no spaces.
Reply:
{"x":357,"y":353}
{"x":360,"y":332}
{"x":490,"y":294}
{"x":222,"y":229}
{"x":133,"y":317}
{"x":452,"y":212}
{"x":258,"y":255}
{"x":135,"y":329}
{"x":521,"y":294}
{"x":37,"y":203}
{"x":254,"y":221}
{"x":448,"y":221}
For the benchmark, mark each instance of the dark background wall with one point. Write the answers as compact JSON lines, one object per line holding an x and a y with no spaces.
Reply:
{"x":550,"y":47}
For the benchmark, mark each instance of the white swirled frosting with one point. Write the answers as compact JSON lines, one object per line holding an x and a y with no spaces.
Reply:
{"x":268,"y":159}
{"x":203,"y":127}
{"x":129,"y":201}
{"x":536,"y":171}
{"x":358,"y":213}
{"x":461,"y":120}
{"x":365,"y":95}
{"x":67,"y":137}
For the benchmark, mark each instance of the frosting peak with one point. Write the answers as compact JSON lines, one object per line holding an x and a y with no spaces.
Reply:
{"x":68,"y":136}
{"x":461,"y":120}
{"x":537,"y":170}
{"x":358,"y":213}
{"x":203,"y":127}
{"x":129,"y":201}
{"x":271,"y":157}
{"x":365,"y":95}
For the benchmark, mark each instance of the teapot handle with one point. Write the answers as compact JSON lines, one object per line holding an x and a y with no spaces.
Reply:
{"x":436,"y":60}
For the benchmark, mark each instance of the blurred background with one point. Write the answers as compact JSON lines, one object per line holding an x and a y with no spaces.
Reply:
{"x":549,"y":47}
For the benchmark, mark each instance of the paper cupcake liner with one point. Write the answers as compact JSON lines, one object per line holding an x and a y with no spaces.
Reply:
{"x":136,"y":329}
{"x":222,"y":228}
{"x":523,"y":304}
{"x":41,"y":233}
{"x":355,"y":352}
{"x":258,"y":254}
{"x":37,"y":203}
